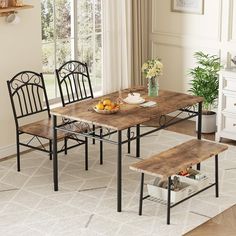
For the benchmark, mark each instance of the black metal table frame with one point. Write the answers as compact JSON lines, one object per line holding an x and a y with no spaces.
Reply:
{"x":169,"y":205}
{"x":163,"y":124}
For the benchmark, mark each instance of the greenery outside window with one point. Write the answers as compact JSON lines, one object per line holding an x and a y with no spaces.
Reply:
{"x":71,"y":30}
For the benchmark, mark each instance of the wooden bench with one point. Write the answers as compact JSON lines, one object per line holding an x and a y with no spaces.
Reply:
{"x":222,"y":224}
{"x":175,"y":160}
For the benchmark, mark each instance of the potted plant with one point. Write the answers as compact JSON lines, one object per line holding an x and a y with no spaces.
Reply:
{"x":205,"y":83}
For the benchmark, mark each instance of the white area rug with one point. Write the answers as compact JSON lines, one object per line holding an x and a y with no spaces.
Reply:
{"x":86,"y":202}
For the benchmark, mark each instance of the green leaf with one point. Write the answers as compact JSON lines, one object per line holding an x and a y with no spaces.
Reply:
{"x":205,"y":80}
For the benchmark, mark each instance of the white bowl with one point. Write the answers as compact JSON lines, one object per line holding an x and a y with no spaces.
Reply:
{"x":134,"y":100}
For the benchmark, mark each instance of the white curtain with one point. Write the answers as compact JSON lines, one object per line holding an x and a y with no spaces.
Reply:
{"x":117,"y":48}
{"x":140,"y":44}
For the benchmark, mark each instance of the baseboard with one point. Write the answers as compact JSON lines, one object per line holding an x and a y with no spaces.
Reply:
{"x":7,"y":151}
{"x":10,"y":150}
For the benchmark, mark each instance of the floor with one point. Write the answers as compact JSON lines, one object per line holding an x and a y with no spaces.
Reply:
{"x":86,"y":202}
{"x":188,"y":127}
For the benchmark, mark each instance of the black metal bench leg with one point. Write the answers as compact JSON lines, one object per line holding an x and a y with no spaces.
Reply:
{"x":50,"y":150}
{"x":101,"y":147}
{"x":169,"y":200}
{"x":86,"y":153}
{"x":18,"y":151}
{"x":199,"y":166}
{"x":128,"y":136}
{"x":217,"y":175}
{"x":141,"y":195}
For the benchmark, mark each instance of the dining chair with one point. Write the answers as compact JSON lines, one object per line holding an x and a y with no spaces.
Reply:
{"x":75,"y":86}
{"x":30,"y":103}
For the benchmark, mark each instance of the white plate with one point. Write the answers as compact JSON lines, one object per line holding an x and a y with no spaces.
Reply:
{"x":131,"y":101}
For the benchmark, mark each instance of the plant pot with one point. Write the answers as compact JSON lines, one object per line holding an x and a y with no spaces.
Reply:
{"x":208,"y":123}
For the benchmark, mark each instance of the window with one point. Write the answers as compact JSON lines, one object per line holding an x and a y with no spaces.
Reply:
{"x":71,"y":29}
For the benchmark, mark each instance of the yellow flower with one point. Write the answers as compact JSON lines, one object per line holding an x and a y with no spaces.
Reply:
{"x":152,"y":73}
{"x":159,"y":64}
{"x":152,"y":68}
{"x":145,"y":66}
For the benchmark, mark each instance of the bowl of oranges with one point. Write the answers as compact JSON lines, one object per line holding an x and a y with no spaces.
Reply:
{"x":106,"y":106}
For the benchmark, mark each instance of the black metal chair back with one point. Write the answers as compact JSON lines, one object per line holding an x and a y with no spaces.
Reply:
{"x":28,"y":94}
{"x":74,"y":82}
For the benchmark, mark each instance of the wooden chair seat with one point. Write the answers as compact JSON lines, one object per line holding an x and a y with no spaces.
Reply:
{"x":44,"y":129}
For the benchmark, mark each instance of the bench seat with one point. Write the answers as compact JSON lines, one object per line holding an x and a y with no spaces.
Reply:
{"x":178,"y":158}
{"x":175,"y":160}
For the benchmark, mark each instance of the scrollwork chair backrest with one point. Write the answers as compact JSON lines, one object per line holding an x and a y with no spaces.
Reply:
{"x":74,"y":82}
{"x":28,"y":94}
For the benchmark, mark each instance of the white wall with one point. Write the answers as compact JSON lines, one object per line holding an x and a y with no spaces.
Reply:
{"x":176,"y":36}
{"x":20,"y":49}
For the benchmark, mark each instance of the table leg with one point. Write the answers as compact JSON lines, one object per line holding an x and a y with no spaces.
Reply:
{"x":101,"y":146}
{"x":217,"y":175}
{"x":86,"y":153}
{"x":119,"y":172}
{"x":128,"y":136}
{"x":94,"y":130}
{"x":50,"y":150}
{"x":199,"y":132}
{"x":138,"y":141}
{"x":168,"y":200}
{"x":141,"y":195}
{"x":55,"y":164}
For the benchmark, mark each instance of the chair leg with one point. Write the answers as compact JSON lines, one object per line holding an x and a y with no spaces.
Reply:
{"x":65,"y":145}
{"x":50,"y":150}
{"x":18,"y":151}
{"x":101,"y":147}
{"x":86,"y":153}
{"x":93,"y":134}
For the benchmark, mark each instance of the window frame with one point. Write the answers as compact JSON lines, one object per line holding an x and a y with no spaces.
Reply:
{"x":73,"y":39}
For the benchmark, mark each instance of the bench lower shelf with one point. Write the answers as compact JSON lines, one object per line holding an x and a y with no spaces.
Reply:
{"x":189,"y":187}
{"x":164,"y":202}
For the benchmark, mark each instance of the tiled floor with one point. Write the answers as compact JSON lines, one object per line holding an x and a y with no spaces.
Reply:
{"x":86,"y":202}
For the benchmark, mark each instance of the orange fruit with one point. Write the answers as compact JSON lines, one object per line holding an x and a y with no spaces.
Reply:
{"x":112,"y":105}
{"x":107,"y":102}
{"x":100,"y":106}
{"x":108,"y":107}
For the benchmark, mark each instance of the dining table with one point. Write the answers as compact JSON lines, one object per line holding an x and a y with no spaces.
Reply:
{"x":169,"y":108}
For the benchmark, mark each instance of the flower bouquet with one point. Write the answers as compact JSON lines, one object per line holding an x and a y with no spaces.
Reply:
{"x":151,"y":70}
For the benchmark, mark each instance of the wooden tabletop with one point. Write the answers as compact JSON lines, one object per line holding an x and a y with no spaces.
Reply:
{"x":221,"y":225}
{"x":178,"y":158}
{"x":129,"y":115}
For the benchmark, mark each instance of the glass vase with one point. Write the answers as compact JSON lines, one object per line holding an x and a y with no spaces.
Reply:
{"x":153,"y":87}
